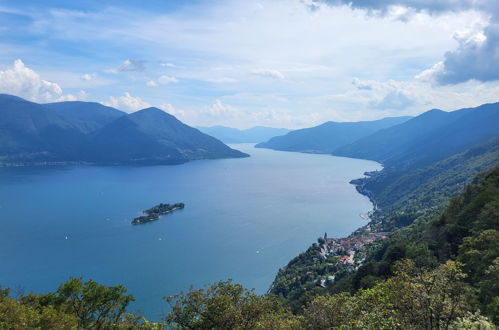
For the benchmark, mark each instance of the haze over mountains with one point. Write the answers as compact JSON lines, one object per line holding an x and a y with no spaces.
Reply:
{"x":328,"y":136}
{"x":85,"y":132}
{"x":431,"y":136}
{"x":402,"y":141}
{"x":90,"y":132}
{"x":251,"y":135}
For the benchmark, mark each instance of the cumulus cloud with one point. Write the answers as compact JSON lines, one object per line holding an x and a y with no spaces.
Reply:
{"x":162,"y":80}
{"x":132,"y":65}
{"x":81,"y":95}
{"x":26,"y":83}
{"x":268,"y":73}
{"x":219,"y":109}
{"x":370,"y":99}
{"x":88,"y":76}
{"x":167,"y":65}
{"x":393,"y":100}
{"x":126,"y":102}
{"x":432,"y":6}
{"x":477,"y":57}
{"x":167,"y":107}
{"x":390,"y":95}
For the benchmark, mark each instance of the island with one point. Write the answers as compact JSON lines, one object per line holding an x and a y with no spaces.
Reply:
{"x":154,"y":213}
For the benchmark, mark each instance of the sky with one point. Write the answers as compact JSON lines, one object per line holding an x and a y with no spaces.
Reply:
{"x":280,"y":63}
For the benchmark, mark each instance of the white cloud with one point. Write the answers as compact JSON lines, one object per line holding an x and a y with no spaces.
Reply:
{"x":219,"y":109}
{"x":221,"y":80}
{"x":312,"y":49}
{"x":127,"y":102}
{"x":164,"y":79}
{"x":477,"y":57}
{"x":172,"y":110}
{"x":268,"y":73}
{"x":80,"y":96}
{"x":132,"y":65}
{"x":88,"y":76}
{"x":369,"y":99}
{"x":24,"y":82}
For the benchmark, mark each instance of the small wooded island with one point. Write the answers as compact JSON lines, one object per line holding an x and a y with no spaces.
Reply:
{"x":154,"y":213}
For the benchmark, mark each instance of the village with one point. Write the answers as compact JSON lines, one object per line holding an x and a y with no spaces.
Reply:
{"x":348,"y":253}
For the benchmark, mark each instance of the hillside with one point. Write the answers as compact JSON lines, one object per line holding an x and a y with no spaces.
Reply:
{"x":31,"y":133}
{"x":85,"y":132}
{"x":467,"y":230}
{"x":154,"y":136}
{"x":86,"y":116}
{"x":327,"y":137}
{"x":431,"y":136}
{"x":251,"y":135}
{"x":410,"y":194}
{"x":402,"y":196}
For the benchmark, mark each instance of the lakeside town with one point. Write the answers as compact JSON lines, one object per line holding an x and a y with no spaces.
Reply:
{"x":345,"y":253}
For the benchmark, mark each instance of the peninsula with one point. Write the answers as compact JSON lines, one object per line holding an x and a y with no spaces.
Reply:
{"x":154,"y":213}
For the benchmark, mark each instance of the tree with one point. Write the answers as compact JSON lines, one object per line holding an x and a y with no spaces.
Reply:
{"x":15,"y":315}
{"x":94,"y":305}
{"x":227,"y":306}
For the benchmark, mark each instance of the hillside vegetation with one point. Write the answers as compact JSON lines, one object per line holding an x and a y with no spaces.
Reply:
{"x":86,"y":132}
{"x":329,"y":136}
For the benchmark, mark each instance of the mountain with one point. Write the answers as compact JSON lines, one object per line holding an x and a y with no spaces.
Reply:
{"x":327,"y":137}
{"x":31,"y":133}
{"x":250,"y":135}
{"x":428,"y":137}
{"x":435,"y":200}
{"x":85,"y":132}
{"x":154,"y":136}
{"x":445,"y":210}
{"x":403,"y":196}
{"x":86,"y":116}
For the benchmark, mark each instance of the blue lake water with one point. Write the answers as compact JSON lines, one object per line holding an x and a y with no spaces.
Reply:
{"x":244,"y":219}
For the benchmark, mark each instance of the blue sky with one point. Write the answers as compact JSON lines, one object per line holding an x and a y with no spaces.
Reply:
{"x":285,"y":63}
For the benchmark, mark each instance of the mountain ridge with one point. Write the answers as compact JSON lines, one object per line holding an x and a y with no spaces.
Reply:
{"x":433,"y":135}
{"x":328,"y":136}
{"x":88,"y":132}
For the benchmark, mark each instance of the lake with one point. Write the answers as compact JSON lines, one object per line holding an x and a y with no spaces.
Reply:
{"x":244,"y":219}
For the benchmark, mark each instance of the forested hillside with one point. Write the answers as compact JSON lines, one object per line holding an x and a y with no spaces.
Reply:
{"x":427,"y":138}
{"x":433,"y":230}
{"x":328,"y":136}
{"x":90,"y":133}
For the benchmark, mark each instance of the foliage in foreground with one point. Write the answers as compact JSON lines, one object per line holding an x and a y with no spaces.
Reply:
{"x":75,"y":305}
{"x":414,"y":298}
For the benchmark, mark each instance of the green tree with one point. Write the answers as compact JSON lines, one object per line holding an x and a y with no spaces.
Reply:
{"x":17,"y":316}
{"x":227,"y":306}
{"x":94,"y":305}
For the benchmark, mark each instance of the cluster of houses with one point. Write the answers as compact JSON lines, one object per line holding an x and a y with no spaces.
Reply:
{"x":349,"y":252}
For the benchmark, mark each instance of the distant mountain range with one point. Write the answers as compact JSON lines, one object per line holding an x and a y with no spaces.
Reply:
{"x":251,"y":135}
{"x":327,"y":137}
{"x":86,"y":132}
{"x":427,"y":138}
